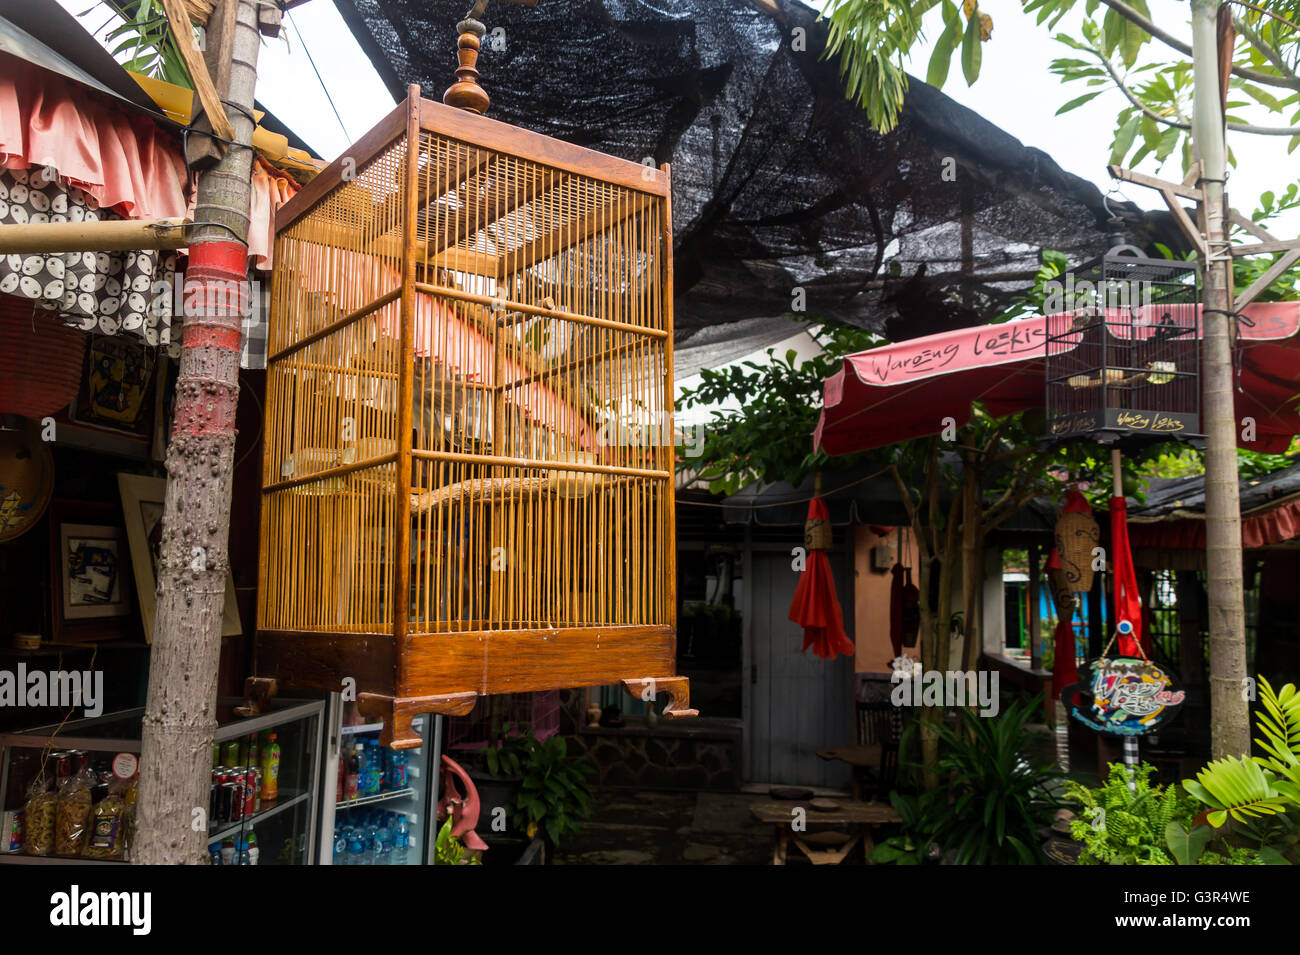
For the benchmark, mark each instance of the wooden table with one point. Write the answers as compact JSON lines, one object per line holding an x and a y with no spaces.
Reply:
{"x":854,"y":819}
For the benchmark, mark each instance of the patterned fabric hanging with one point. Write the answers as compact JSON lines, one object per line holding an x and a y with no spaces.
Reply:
{"x":105,"y":292}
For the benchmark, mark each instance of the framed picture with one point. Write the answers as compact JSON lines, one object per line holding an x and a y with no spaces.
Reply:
{"x":115,"y":407}
{"x":142,"y":510}
{"x":117,"y":390}
{"x":90,"y":573}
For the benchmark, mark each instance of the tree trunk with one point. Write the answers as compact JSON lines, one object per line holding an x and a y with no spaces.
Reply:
{"x":971,"y":553}
{"x":1229,"y":716}
{"x":930,"y":716}
{"x":180,"y":716}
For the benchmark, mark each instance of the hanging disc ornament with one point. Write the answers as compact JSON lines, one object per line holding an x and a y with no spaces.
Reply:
{"x":1125,"y":696}
{"x":26,"y":476}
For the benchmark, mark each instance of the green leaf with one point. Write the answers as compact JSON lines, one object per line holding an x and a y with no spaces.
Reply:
{"x":1124,"y":139}
{"x":1186,"y":846}
{"x":970,"y":51}
{"x":1078,"y":101}
{"x":937,"y":73}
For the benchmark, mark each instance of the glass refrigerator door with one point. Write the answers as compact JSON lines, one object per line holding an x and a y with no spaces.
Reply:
{"x":378,"y":800}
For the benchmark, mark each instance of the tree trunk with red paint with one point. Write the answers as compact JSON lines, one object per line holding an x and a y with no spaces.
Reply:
{"x":180,"y":716}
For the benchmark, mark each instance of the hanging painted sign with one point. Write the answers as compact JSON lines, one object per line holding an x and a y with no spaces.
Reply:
{"x":1123,"y":697}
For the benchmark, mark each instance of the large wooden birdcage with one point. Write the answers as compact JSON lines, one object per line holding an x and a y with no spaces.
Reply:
{"x":467,"y":479}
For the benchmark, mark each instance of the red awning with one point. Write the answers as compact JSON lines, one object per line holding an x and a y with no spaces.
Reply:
{"x":904,"y":391}
{"x":1264,"y":527}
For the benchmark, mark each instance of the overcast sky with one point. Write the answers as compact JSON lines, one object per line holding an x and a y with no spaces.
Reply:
{"x":1015,"y":91}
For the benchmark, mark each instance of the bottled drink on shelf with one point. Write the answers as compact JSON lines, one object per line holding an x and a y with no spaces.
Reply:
{"x":401,"y":836}
{"x":356,"y":848}
{"x":243,"y":854}
{"x":352,"y":773}
{"x":340,"y":847}
{"x":228,"y":851}
{"x":371,"y":769}
{"x":214,"y":854}
{"x":395,"y":762}
{"x":271,"y":770}
{"x":254,"y":853}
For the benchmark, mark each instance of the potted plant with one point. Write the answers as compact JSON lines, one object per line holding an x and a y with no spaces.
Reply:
{"x":449,"y":850}
{"x":554,"y":797}
{"x":499,"y":777}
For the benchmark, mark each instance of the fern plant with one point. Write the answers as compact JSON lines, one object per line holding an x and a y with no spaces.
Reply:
{"x":1119,"y":825}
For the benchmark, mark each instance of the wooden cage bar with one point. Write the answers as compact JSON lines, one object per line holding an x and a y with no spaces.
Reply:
{"x":468,"y":458}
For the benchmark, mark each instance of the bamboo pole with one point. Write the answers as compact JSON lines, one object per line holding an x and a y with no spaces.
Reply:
{"x":106,"y":235}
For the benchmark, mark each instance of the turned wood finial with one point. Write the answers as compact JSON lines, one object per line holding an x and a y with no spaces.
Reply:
{"x":466,"y":93}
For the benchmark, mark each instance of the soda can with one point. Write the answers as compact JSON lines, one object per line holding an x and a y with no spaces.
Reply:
{"x":257,"y":790}
{"x":230,"y":752}
{"x":61,"y":764}
{"x":250,"y":792}
{"x":236,"y":799}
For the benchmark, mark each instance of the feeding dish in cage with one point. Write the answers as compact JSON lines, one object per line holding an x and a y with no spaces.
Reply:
{"x":1122,"y":356}
{"x":455,"y":327}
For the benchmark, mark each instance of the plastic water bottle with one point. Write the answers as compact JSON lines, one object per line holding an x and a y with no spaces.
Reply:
{"x":340,"y":847}
{"x":243,"y":858}
{"x":372,"y":845}
{"x":383,"y":844}
{"x":357,"y":848}
{"x":372,"y":771}
{"x":401,"y":836}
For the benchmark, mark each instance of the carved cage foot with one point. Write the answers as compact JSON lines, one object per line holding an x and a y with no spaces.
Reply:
{"x":397,"y":713}
{"x":678,"y":688}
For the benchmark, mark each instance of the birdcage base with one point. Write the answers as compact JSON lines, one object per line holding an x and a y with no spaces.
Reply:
{"x":446,"y":672}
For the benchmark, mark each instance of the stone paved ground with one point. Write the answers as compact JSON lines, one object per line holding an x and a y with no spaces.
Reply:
{"x":630,"y":827}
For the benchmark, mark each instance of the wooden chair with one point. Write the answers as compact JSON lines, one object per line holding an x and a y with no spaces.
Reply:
{"x":879,"y":723}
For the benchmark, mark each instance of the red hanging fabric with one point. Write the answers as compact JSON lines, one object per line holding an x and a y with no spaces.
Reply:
{"x":816,"y":608}
{"x":1064,"y":670}
{"x":896,"y":610}
{"x":1128,"y":599}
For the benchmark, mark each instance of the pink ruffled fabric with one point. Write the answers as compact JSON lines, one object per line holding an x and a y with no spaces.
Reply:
{"x":125,"y":162}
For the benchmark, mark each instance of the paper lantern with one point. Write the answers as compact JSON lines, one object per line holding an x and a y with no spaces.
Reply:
{"x":40,"y":359}
{"x":1077,"y":534}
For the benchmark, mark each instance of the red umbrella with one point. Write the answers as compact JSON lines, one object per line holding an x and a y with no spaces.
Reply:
{"x":907,"y":390}
{"x":815,"y":606}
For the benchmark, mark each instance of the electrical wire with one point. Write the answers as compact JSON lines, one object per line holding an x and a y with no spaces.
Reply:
{"x":289,"y":17}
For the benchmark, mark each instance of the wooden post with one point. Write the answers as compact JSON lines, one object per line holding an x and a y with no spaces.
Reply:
{"x":1035,"y":594}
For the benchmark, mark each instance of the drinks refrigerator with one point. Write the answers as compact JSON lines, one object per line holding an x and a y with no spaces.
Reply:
{"x":365,"y":829}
